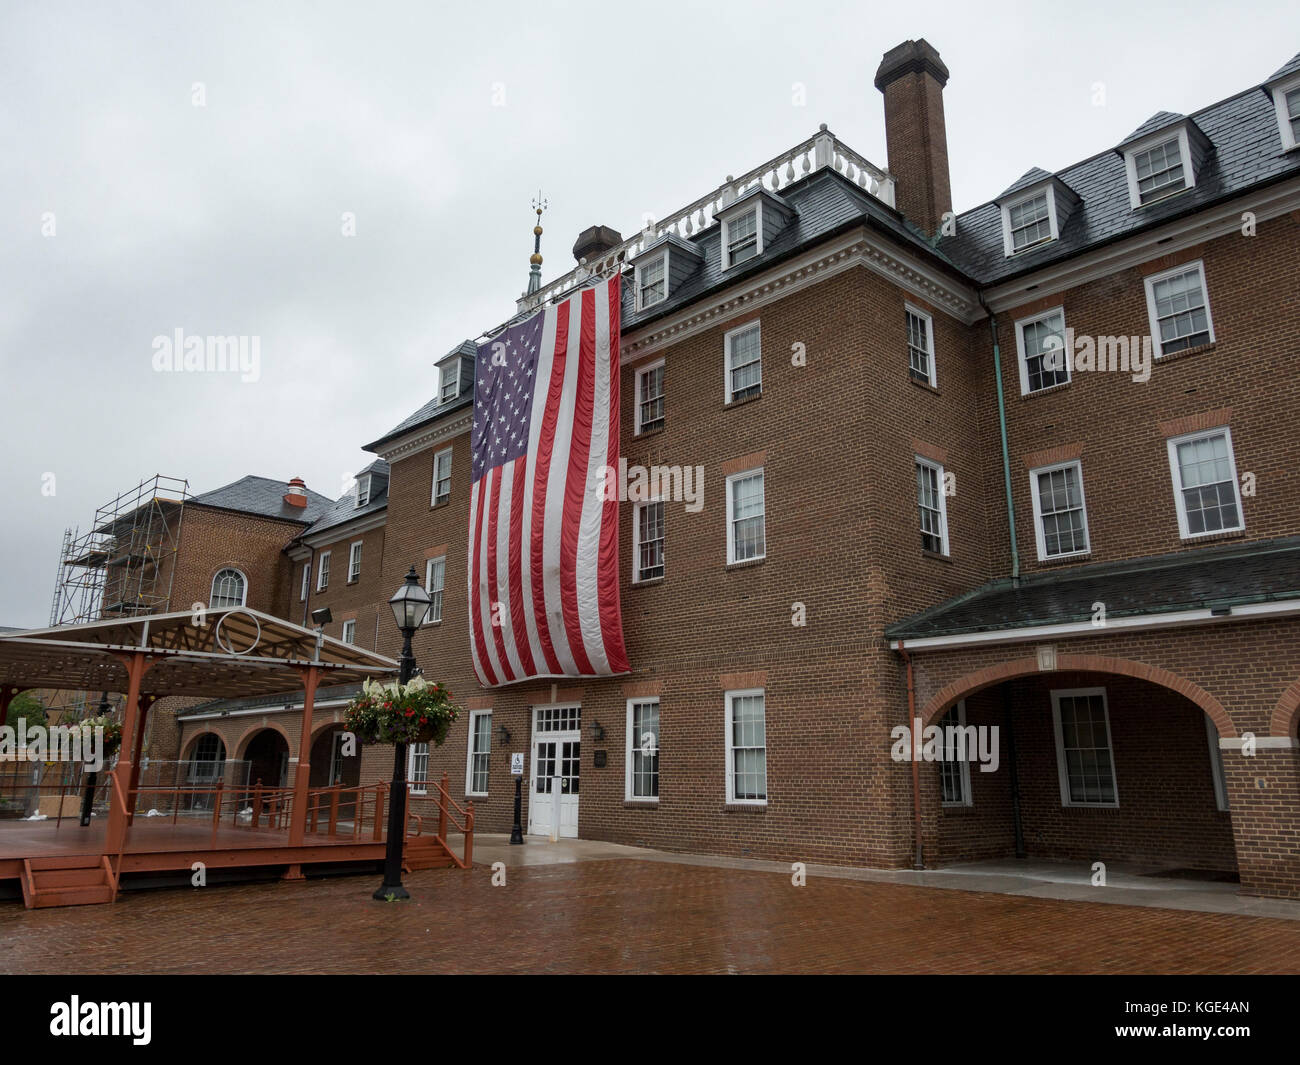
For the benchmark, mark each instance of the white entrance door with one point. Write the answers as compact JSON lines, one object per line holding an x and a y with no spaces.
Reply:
{"x":557,"y":747}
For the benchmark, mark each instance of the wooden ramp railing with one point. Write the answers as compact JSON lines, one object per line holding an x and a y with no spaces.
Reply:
{"x":421,"y":851}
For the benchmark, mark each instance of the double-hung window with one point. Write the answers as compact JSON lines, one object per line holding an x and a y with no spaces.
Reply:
{"x":363,"y":490}
{"x":1029,"y":222}
{"x":480,"y":749}
{"x":652,"y":282}
{"x":1060,"y":516}
{"x":650,"y":398}
{"x":740,"y":238}
{"x":1179,"y":309}
{"x":306,"y":582}
{"x":643,"y":750}
{"x":954,"y":770}
{"x":1043,"y":358}
{"x":435,"y":572}
{"x":1083,"y":749}
{"x":354,"y":562}
{"x":229,"y":588}
{"x":450,"y":387}
{"x":648,"y":548}
{"x":323,"y":572}
{"x":417,"y":769}
{"x":1206,"y":492}
{"x":441,"y":476}
{"x":1159,"y":170}
{"x":932,"y":506}
{"x":746,"y":517}
{"x":350,"y":631}
{"x":744,"y":358}
{"x":746,"y":747}
{"x":920,"y":346}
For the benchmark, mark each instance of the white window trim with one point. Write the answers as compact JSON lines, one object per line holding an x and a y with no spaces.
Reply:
{"x":363,"y":491}
{"x":1020,"y":350}
{"x":968,"y":798}
{"x":1176,"y":475}
{"x":429,"y":619}
{"x":731,"y":541}
{"x":1061,"y":771}
{"x":1039,"y":538}
{"x":640,"y":371}
{"x":663,"y":254}
{"x":755,"y":325}
{"x":243,"y":593}
{"x":1033,"y":194}
{"x":632,"y":746}
{"x":1153,"y":319}
{"x":469,"y":754}
{"x":758,"y":232}
{"x":730,"y":698}
{"x":636,"y":541}
{"x":1216,"y":765}
{"x":306,"y":582}
{"x":1146,"y":143}
{"x":410,"y":771}
{"x":322,"y":571}
{"x":1279,"y":103}
{"x":921,"y":460}
{"x":354,"y":560}
{"x":910,"y":308}
{"x":434,"y":500}
{"x":344,"y":635}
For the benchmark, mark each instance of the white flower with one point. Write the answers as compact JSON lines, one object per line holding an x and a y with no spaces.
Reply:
{"x":417,"y":684}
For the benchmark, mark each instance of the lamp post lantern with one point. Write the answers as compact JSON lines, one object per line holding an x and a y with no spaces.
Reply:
{"x":410,"y":605}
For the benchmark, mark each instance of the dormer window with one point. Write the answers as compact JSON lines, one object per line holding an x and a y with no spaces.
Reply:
{"x":1164,"y":162}
{"x":740,"y":238}
{"x":652,"y":281}
{"x":450,"y":387}
{"x":1286,"y":99}
{"x":363,"y":490}
{"x":1030,"y":221}
{"x":1160,"y":170}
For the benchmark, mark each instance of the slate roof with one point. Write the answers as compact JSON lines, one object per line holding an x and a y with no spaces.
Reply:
{"x":1032,"y":176}
{"x":1188,"y":580}
{"x":1159,"y":120}
{"x":1292,"y":66}
{"x":344,"y":509}
{"x":265,"y":497}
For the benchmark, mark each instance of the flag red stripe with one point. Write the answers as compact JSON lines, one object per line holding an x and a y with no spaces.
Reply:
{"x":575,"y":482}
{"x":517,"y":617}
{"x":541,"y":474}
{"x":494,"y":598}
{"x":476,"y":603}
{"x":611,"y":614}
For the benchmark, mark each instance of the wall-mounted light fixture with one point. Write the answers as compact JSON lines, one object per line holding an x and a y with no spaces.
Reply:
{"x":504,"y":733}
{"x":597,"y":730}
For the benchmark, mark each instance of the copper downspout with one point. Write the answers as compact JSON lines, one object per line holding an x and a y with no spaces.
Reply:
{"x":918,"y":856}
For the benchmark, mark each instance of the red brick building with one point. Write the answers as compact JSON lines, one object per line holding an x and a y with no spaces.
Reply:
{"x":1029,"y":467}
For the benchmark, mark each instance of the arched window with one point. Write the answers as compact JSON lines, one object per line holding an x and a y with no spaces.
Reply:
{"x":229,"y":588}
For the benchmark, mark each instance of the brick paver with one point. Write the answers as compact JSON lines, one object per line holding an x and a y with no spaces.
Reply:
{"x":630,"y":916}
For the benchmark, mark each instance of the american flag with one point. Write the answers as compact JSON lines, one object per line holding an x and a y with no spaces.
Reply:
{"x":543,"y":545}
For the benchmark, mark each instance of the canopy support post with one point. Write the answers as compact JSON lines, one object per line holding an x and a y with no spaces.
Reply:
{"x":298,"y":821}
{"x":137,"y":664}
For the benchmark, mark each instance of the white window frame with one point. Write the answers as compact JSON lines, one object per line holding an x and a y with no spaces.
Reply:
{"x":641,"y":371}
{"x":354,"y":561}
{"x":921,"y":460}
{"x":1279,"y":91}
{"x":756,"y":471}
{"x":730,"y":698}
{"x":1021,"y":324}
{"x":434,"y":498}
{"x":1062,"y":770}
{"x":417,"y":787}
{"x":363,"y":491}
{"x":636,"y":540}
{"x":1176,"y":475}
{"x":1040,"y":536}
{"x":1008,"y":245}
{"x":633,"y":745}
{"x":470,"y":752}
{"x":452,"y":378}
{"x":349,"y":628}
{"x":1153,"y":319}
{"x":641,"y":305}
{"x":757,"y":209}
{"x":1216,"y":765}
{"x":243,"y":588}
{"x":727,"y":339}
{"x":323,"y":571}
{"x":1146,"y":144}
{"x":967,"y":797}
{"x":909,"y":308}
{"x":429,"y":619}
{"x":306,"y":582}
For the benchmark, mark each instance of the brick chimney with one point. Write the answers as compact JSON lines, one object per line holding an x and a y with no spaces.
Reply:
{"x":296,"y":496}
{"x":912,"y":77}
{"x":594,"y":242}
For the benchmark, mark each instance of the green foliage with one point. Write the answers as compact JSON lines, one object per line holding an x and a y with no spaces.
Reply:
{"x":26,"y":707}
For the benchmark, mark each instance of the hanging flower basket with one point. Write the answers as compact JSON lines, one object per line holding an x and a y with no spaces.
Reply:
{"x":418,"y":712}
{"x":112,"y":732}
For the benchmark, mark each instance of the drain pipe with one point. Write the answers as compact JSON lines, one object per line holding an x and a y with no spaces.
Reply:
{"x":1002,"y":432}
{"x":918,"y":855}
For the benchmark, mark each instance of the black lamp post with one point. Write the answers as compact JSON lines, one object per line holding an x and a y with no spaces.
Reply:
{"x":410,"y":605}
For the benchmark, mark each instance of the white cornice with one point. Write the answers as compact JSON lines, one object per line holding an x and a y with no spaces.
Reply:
{"x":1209,"y":224}
{"x":403,"y":447}
{"x":373,"y":520}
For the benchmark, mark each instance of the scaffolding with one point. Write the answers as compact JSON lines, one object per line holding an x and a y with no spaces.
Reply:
{"x":123,"y":566}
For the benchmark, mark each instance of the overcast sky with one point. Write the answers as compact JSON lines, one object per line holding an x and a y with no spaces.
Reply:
{"x":434,"y":128}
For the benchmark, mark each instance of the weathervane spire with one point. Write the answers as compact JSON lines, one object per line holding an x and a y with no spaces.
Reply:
{"x":535,"y":270}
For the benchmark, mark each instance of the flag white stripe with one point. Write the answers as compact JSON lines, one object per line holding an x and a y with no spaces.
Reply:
{"x":541,"y":390}
{"x":507,"y":475}
{"x":484,"y":598}
{"x":587,"y":571}
{"x":474,"y":497}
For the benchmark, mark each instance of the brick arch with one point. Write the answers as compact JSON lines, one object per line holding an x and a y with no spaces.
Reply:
{"x":1286,"y":715}
{"x":1068,"y":663}
{"x":241,"y":747}
{"x":187,"y":752}
{"x":318,"y":728}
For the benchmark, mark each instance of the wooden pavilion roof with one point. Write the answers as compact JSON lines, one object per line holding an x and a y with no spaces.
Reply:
{"x":225,"y":653}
